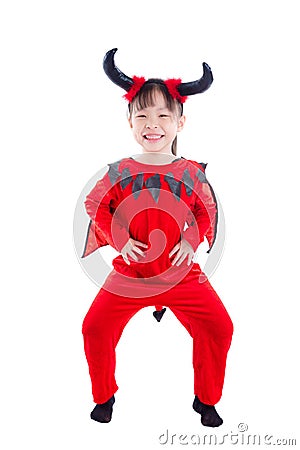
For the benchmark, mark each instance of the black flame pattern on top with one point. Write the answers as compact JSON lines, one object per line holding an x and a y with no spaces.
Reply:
{"x":153,"y":183}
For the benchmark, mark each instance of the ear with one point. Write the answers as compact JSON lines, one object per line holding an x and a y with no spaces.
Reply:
{"x":181,"y":123}
{"x":130,"y":122}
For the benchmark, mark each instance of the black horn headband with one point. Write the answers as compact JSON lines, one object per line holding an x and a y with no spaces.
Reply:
{"x":176,"y":88}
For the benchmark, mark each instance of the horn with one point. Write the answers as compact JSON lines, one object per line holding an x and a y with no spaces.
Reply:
{"x":198,"y":86}
{"x":115,"y":74}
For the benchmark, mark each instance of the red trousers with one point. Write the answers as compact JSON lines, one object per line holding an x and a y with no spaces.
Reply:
{"x":195,"y":304}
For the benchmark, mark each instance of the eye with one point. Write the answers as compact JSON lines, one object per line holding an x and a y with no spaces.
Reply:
{"x":163,"y":115}
{"x":141,"y":116}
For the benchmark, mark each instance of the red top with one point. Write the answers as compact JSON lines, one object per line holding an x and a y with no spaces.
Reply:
{"x":154,"y":204}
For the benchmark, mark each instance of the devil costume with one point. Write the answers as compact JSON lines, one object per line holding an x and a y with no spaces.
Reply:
{"x":158,"y":205}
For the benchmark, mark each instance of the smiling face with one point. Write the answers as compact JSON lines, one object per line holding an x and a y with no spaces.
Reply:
{"x":155,"y":124}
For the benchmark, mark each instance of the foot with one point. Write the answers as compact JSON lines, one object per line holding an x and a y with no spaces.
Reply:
{"x":102,"y":412}
{"x":209,"y":415}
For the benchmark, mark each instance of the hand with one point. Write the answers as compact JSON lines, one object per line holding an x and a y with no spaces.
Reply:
{"x":183,"y":249}
{"x":130,"y":247}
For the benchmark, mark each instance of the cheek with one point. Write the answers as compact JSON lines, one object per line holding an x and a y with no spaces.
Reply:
{"x":133,"y":128}
{"x":136,"y":125}
{"x":137,"y":130}
{"x":173,"y":127}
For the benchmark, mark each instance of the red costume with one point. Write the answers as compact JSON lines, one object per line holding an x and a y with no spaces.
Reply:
{"x":158,"y":205}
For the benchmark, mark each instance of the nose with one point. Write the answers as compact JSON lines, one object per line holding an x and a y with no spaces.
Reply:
{"x":151,"y":124}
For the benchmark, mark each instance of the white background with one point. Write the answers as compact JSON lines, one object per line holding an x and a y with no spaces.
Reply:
{"x":62,"y":120}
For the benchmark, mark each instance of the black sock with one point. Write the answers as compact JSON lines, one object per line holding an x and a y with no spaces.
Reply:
{"x":209,"y":415}
{"x":102,"y":412}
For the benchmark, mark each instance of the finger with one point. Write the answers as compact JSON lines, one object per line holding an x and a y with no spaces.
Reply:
{"x":133,"y":256}
{"x":181,"y":259}
{"x":141,"y":244}
{"x":176,"y":258}
{"x":174,"y":250}
{"x":139,"y":251}
{"x":126,"y":260}
{"x":190,"y":258}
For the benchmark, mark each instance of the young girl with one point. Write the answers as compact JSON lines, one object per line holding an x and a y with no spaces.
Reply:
{"x":155,"y":209}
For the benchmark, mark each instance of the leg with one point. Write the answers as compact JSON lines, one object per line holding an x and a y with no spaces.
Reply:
{"x":200,"y":310}
{"x":102,"y":329}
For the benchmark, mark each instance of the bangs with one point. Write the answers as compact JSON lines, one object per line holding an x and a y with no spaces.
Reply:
{"x":145,"y":98}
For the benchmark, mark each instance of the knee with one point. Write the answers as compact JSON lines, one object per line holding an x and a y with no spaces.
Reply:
{"x":227,"y":329}
{"x":98,"y":324}
{"x":86,"y":326}
{"x":90,"y":325}
{"x":230,"y":327}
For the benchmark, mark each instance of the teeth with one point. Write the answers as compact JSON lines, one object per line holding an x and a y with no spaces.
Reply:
{"x":153,"y":136}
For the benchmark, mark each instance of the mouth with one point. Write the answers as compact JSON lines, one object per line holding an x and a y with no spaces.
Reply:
{"x":153,"y":137}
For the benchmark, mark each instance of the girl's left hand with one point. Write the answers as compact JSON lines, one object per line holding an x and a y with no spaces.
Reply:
{"x":183,"y":249}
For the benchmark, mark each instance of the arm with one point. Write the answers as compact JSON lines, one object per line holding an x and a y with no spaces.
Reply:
{"x":100,"y":206}
{"x":203,"y":219}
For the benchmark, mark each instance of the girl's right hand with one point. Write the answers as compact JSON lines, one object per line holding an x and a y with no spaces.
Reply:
{"x":130,"y":247}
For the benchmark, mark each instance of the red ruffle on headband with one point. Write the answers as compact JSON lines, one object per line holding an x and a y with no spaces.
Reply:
{"x":171,"y":85}
{"x":138,"y":82}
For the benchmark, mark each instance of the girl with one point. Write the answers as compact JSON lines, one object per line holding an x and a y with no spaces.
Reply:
{"x":155,"y":209}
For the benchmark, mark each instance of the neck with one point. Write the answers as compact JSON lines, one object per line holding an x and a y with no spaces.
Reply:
{"x":157,"y":158}
{"x":160,"y":155}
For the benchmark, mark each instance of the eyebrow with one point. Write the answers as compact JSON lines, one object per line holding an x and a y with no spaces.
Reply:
{"x":158,"y":109}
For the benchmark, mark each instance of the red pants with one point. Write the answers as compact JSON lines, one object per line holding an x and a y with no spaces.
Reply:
{"x":196,"y":305}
